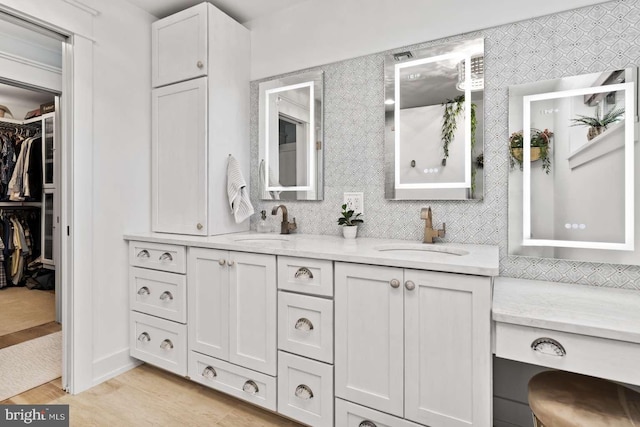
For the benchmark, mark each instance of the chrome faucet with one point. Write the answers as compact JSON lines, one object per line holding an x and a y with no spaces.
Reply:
{"x":285,"y":226}
{"x":429,"y":232}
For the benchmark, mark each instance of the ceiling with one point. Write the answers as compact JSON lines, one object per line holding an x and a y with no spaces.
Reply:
{"x":240,"y":10}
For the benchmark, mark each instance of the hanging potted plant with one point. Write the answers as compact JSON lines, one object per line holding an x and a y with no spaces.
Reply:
{"x":349,"y":221}
{"x":597,"y":124}
{"x":452,"y":110}
{"x":539,"y":148}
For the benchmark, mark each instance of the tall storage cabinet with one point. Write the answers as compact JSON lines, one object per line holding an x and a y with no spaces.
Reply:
{"x":200,"y":116}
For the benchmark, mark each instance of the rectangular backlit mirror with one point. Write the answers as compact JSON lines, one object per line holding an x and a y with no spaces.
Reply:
{"x":571,"y":184}
{"x":291,"y":132}
{"x":434,"y":122}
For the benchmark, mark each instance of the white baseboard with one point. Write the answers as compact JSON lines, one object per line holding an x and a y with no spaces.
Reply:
{"x":113,"y":365}
{"x":509,"y":413}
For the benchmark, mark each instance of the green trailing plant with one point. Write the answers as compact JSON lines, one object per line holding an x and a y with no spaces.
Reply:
{"x":598,"y":124}
{"x":539,"y":139}
{"x":349,"y":217}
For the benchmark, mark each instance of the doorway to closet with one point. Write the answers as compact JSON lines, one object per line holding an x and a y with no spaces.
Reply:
{"x":31,"y":348}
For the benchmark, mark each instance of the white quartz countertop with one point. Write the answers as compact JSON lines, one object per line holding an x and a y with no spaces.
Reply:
{"x":587,"y":310}
{"x":481,"y":260}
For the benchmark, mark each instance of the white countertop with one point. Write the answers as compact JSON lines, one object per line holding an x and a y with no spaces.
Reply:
{"x":587,"y":310}
{"x":481,"y":260}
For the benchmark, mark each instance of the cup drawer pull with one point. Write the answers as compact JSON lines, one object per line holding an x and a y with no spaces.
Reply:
{"x":304,"y":392}
{"x":166,"y":345}
{"x":143,"y":254}
{"x":303,"y":273}
{"x":548,"y":346}
{"x":209,"y":372}
{"x":166,"y":257}
{"x":144,"y":291}
{"x":367,"y":423}
{"x":166,"y":296}
{"x":304,"y":324}
{"x":144,"y":337}
{"x":250,"y":387}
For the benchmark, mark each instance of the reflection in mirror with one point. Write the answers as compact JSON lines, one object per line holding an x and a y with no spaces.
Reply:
{"x":571,"y":183}
{"x":291,"y":131}
{"x":434,"y":122}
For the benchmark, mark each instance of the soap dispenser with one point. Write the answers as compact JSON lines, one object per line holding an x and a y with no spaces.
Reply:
{"x":263,"y":227}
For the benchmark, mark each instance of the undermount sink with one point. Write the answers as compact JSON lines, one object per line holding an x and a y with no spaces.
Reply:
{"x":415,"y":248}
{"x":258,"y":238}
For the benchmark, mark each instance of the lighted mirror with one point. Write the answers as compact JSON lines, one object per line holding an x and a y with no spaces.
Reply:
{"x":291,"y":132}
{"x":434,"y":122}
{"x":571,"y":183}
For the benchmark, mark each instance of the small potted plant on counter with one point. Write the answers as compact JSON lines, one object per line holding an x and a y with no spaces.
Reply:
{"x":349,"y":221}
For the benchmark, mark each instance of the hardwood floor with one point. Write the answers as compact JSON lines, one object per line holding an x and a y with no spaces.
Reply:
{"x":22,"y":308}
{"x":146,"y":396}
{"x":29,"y":334}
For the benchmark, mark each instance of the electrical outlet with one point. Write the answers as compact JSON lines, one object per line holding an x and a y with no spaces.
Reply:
{"x":355,"y":202}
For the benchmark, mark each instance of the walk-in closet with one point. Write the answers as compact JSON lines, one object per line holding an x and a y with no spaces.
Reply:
{"x":30,"y":289}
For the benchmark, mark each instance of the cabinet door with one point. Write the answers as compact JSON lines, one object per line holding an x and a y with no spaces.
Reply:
{"x":179,"y":158}
{"x":253,"y":311}
{"x":179,"y":46}
{"x":369,"y":336}
{"x":208,"y":294}
{"x":447,"y":349}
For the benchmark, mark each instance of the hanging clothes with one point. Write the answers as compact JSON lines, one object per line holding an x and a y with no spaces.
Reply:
{"x":20,"y":245}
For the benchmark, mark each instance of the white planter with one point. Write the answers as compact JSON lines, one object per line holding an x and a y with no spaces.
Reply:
{"x":349,"y":231}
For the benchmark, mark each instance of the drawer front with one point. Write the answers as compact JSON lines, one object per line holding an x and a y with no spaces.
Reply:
{"x":160,"y":342}
{"x":598,"y":357}
{"x":305,"y":326}
{"x":351,"y":415}
{"x":305,"y":390}
{"x":309,"y":276}
{"x":245,"y":384}
{"x":158,"y":256}
{"x":158,"y":293}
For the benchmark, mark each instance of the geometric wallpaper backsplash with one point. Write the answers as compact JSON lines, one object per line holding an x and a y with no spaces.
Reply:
{"x":586,"y":40}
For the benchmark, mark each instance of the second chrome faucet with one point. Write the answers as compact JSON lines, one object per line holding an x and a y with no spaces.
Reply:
{"x":286,"y":227}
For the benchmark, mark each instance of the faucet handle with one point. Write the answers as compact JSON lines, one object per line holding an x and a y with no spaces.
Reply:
{"x":293,"y":225}
{"x":443,"y":231}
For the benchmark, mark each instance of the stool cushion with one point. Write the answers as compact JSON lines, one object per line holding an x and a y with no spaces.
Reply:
{"x":564,"y":399}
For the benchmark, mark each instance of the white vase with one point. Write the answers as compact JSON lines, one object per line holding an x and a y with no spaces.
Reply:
{"x":349,"y":231}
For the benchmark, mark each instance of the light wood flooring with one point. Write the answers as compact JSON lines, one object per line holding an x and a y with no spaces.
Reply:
{"x":22,"y":308}
{"x":146,"y":396}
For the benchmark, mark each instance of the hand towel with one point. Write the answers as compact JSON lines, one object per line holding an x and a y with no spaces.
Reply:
{"x":241,"y":206}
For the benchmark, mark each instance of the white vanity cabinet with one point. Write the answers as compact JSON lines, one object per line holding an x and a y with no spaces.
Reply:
{"x":200,"y":116}
{"x":232,"y":307}
{"x":414,"y":344}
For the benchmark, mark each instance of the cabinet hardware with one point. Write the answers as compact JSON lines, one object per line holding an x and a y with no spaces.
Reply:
{"x":143,"y":291}
{"x":166,"y":257}
{"x":209,"y":372}
{"x":199,"y":226}
{"x":367,"y":423}
{"x":143,"y":254}
{"x":222,"y":262}
{"x":303,"y":273}
{"x":409,"y":285}
{"x":166,"y":344}
{"x":250,"y":387}
{"x":199,"y":64}
{"x":144,"y":337}
{"x":166,"y":295}
{"x":304,"y":392}
{"x":304,"y":324}
{"x":395,"y":283}
{"x":548,"y":346}
{"x":231,"y":263}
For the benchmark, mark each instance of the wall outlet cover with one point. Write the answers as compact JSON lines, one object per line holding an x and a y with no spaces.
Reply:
{"x":355,"y":202}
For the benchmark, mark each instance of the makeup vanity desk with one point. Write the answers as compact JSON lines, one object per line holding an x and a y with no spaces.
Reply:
{"x":584,"y":329}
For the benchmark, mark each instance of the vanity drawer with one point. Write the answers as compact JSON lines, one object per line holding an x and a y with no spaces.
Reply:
{"x":305,"y":390}
{"x":308,"y":276}
{"x":305,"y":326}
{"x":158,"y":256}
{"x":598,"y":357}
{"x":254,"y":387}
{"x":160,"y":342}
{"x":351,"y":415}
{"x":158,"y":293}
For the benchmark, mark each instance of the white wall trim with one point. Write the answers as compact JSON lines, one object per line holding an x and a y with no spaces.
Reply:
{"x":80,"y":5}
{"x":113,"y":365}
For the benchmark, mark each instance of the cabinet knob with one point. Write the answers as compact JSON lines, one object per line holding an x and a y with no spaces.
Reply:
{"x":143,"y":254}
{"x":250,"y":387}
{"x":231,"y":263}
{"x":395,"y":283}
{"x":209,"y":372}
{"x":166,"y":344}
{"x":548,"y":346}
{"x":409,"y":285}
{"x":304,"y":392}
{"x":199,"y":64}
{"x":199,"y":226}
{"x":304,"y":325}
{"x":367,"y":423}
{"x":144,"y":291}
{"x":166,"y":296}
{"x":303,"y":273}
{"x":144,"y":337}
{"x":166,"y":257}
{"x":222,"y":262}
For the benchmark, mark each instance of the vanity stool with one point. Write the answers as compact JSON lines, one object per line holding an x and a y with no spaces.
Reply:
{"x":564,"y":399}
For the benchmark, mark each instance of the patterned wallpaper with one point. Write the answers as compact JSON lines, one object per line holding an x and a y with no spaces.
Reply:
{"x":595,"y":38}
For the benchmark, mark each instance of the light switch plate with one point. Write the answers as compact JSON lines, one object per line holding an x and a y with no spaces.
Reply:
{"x":355,"y":202}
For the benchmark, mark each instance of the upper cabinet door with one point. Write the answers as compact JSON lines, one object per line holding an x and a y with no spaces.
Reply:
{"x":179,"y":46}
{"x":447,"y":349}
{"x":179,"y":158}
